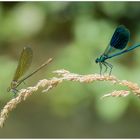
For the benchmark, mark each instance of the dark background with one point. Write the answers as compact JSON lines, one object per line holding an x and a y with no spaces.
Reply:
{"x":74,"y":34}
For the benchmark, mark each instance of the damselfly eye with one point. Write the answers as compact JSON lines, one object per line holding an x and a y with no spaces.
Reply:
{"x":97,"y":60}
{"x":8,"y":89}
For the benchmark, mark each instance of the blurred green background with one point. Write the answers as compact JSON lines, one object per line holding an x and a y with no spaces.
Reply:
{"x":74,"y":34}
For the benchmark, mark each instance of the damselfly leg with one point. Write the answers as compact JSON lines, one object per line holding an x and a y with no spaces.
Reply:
{"x":105,"y":67}
{"x":100,"y":64}
{"x":110,"y":66}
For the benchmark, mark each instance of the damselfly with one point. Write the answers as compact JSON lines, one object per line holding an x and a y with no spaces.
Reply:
{"x":23,"y":65}
{"x":118,"y":42}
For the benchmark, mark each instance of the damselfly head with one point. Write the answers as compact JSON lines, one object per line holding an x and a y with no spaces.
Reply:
{"x":8,"y":89}
{"x":101,"y":59}
{"x":97,"y":60}
{"x":13,"y":86}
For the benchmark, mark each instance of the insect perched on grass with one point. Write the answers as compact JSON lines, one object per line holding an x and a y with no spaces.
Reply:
{"x":23,"y":65}
{"x":118,"y":41}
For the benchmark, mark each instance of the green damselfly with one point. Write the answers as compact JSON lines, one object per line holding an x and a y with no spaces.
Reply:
{"x":23,"y":65}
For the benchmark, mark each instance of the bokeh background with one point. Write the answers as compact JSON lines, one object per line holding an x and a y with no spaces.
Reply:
{"x":74,"y":34}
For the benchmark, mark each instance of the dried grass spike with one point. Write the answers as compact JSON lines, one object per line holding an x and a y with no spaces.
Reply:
{"x":119,"y":93}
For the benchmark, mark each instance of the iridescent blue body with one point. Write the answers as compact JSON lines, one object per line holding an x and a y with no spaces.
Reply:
{"x":118,"y":42}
